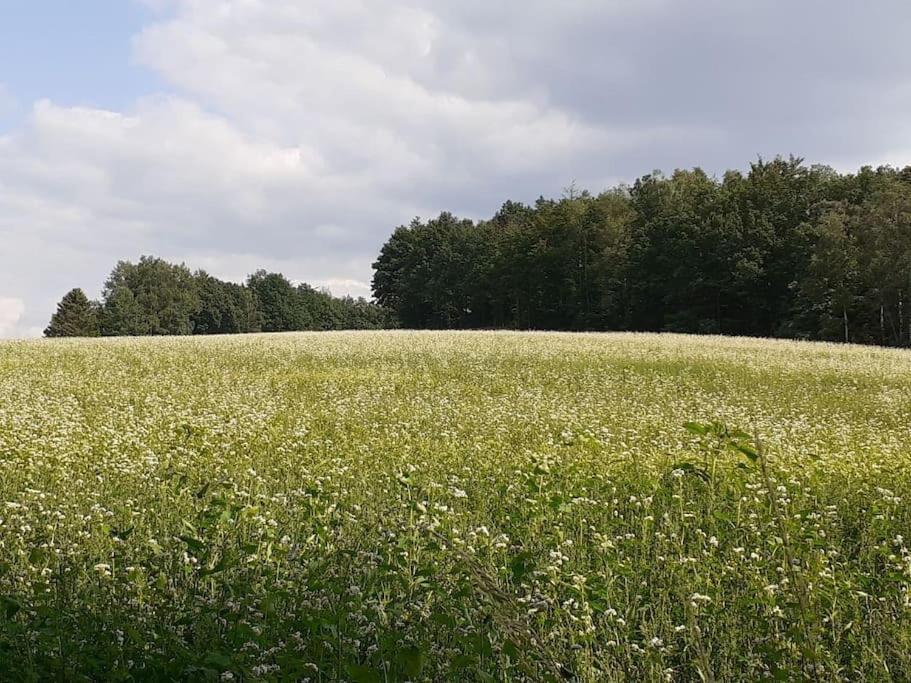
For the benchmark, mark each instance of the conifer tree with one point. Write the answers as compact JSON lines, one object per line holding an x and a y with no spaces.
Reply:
{"x":76,"y":316}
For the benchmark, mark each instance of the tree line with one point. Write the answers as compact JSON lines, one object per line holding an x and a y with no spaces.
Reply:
{"x":782,"y":250}
{"x":154,"y":297}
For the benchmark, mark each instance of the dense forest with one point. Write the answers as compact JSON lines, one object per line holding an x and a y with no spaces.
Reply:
{"x":154,"y":297}
{"x":783,"y":250}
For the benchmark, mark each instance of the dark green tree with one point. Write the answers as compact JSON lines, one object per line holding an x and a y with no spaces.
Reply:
{"x":151,"y":297}
{"x":883,"y":225}
{"x":281,"y":306}
{"x":831,"y":289}
{"x":225,"y":307}
{"x":785,"y":249}
{"x":76,"y":316}
{"x":156,"y":297}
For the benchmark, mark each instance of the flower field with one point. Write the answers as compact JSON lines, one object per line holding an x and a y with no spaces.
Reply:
{"x":398,"y":506}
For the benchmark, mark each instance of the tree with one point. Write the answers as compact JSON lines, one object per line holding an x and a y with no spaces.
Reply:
{"x":831,"y":289}
{"x":774,"y":202}
{"x":120,"y":314}
{"x":281,"y":306}
{"x":152,"y":297}
{"x":429,"y":273}
{"x":76,"y":316}
{"x":402,"y":275}
{"x":156,"y":297}
{"x":225,"y":307}
{"x":884,"y":227}
{"x":680,"y":254}
{"x":785,"y":249}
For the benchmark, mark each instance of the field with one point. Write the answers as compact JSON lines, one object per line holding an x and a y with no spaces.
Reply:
{"x":454,"y":506}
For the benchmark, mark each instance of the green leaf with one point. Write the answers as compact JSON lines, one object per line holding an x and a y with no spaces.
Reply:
{"x":122,"y":535}
{"x":270,"y":604}
{"x":463,"y":662}
{"x":443,"y":620}
{"x":412,"y":660}
{"x":690,"y":468}
{"x":10,"y":606}
{"x":751,"y":453}
{"x":193,"y":544}
{"x":568,"y":673}
{"x":696,"y":428}
{"x":223,"y":564}
{"x":363,"y":674}
{"x":520,"y":565}
{"x":219,"y":659}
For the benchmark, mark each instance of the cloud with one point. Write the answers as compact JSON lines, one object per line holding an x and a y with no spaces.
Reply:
{"x":624,"y":83}
{"x":295,"y":136}
{"x":344,"y":287}
{"x":10,"y":313}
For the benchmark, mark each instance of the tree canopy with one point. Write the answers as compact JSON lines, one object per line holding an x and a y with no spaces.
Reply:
{"x":76,"y":316}
{"x":785,"y":249}
{"x":154,"y":297}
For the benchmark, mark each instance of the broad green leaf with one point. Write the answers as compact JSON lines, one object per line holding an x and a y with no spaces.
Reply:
{"x":363,"y":674}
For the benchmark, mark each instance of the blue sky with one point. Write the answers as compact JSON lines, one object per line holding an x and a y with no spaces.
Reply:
{"x":295,"y":135}
{"x":75,"y":52}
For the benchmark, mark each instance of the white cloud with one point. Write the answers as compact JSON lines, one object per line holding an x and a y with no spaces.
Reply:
{"x":296,"y":135}
{"x":11,"y":310}
{"x":284,"y":146}
{"x":344,"y":287}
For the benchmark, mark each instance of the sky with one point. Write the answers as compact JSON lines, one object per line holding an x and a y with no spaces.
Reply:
{"x":295,"y":136}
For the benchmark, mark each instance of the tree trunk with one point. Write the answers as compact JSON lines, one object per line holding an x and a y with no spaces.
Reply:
{"x":844,"y":311}
{"x":718,"y":329}
{"x":901,"y":318}
{"x":882,"y":324}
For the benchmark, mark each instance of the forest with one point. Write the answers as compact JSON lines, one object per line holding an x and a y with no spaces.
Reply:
{"x":154,"y":297}
{"x":785,"y":249}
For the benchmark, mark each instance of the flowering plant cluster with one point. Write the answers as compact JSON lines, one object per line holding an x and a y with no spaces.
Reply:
{"x":400,"y":506}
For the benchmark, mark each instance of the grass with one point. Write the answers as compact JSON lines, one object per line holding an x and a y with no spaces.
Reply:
{"x":454,"y":506}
